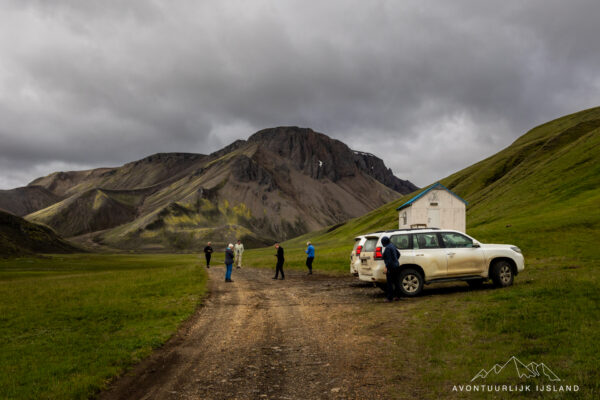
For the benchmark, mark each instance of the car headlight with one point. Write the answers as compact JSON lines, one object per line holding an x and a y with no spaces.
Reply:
{"x":516,"y":249}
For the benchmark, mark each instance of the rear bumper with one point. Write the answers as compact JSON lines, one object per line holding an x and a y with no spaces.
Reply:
{"x":372,"y":273}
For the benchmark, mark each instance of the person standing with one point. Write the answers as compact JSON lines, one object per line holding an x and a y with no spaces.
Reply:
{"x":228,"y":262}
{"x":239,"y":250}
{"x":392,"y":269}
{"x":208,"y":250}
{"x":310,"y":256}
{"x":280,"y":260}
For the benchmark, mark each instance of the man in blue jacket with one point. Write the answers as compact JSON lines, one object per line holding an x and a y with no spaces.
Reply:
{"x":228,"y":262}
{"x":392,"y":269}
{"x":310,"y":256}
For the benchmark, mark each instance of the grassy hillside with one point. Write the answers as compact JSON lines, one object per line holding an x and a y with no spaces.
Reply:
{"x":540,"y":193}
{"x":69,"y":323}
{"x":19,"y":237}
{"x":92,"y":210}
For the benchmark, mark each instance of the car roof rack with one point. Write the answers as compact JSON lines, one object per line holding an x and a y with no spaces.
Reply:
{"x":415,"y":229}
{"x":400,"y":230}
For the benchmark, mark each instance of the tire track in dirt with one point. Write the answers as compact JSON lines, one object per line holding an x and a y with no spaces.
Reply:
{"x":257,"y":338}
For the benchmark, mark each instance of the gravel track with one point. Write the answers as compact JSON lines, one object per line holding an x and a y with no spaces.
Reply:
{"x":258,"y":338}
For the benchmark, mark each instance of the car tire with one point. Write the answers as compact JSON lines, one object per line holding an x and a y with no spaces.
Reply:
{"x":503,"y":274}
{"x":411,"y":282}
{"x":476,"y":283}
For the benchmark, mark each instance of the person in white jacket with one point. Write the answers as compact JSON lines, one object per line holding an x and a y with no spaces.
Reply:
{"x":238,"y":249}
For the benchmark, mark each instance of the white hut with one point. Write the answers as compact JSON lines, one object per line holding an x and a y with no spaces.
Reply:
{"x":435,"y":207}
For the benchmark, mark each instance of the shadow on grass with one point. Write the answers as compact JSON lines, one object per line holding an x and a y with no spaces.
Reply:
{"x":428,"y":292}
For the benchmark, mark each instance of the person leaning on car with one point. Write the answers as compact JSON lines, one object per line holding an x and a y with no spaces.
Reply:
{"x":392,"y":269}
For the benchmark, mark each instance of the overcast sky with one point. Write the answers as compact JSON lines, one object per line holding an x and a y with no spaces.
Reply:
{"x":429,"y":86}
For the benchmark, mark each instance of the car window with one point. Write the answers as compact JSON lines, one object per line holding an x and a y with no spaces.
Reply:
{"x":402,"y":242}
{"x":425,"y":241}
{"x":370,"y":244}
{"x":453,"y":239}
{"x":356,"y":242}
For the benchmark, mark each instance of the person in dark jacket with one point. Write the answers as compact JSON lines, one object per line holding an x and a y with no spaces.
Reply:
{"x":208,"y":250}
{"x":310,"y":256}
{"x":392,"y":269}
{"x":280,"y":260}
{"x":229,"y":262}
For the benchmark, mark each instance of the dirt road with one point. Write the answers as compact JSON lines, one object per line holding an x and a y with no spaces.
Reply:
{"x":258,"y":338}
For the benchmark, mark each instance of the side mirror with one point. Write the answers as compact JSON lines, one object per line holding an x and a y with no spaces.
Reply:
{"x":476,"y":244}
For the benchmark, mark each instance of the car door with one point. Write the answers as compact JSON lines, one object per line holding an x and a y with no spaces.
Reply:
{"x":429,"y":254}
{"x":463,"y":258}
{"x":403,"y":243}
{"x":367,"y":255}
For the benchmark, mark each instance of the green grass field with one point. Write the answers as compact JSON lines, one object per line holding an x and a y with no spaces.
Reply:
{"x":68,"y":323}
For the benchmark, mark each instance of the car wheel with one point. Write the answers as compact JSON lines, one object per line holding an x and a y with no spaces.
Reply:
{"x":411,"y":282}
{"x":502,"y":274}
{"x":476,"y":283}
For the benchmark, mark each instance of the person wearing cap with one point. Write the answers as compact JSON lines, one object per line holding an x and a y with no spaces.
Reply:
{"x":392,"y":269}
{"x":310,"y":256}
{"x":229,"y":262}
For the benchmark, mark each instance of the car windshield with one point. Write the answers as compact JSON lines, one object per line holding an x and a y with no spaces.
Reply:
{"x":370,"y":244}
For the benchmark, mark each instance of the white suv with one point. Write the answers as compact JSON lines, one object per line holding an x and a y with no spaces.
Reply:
{"x":433,"y":255}
{"x":359,"y":244}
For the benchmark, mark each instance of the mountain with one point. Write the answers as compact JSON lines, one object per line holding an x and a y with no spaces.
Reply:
{"x":24,"y":200}
{"x":531,"y":370}
{"x":280,"y":183}
{"x":522,"y":371}
{"x":542,"y":369}
{"x":540,"y":193}
{"x":20,"y":237}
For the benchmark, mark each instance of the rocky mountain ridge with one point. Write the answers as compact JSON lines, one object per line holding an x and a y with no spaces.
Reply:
{"x":278,"y":183}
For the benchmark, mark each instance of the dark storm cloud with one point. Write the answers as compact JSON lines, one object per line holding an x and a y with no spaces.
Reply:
{"x":430,"y":87}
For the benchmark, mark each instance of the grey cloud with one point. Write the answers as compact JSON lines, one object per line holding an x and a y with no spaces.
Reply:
{"x":429,"y":87}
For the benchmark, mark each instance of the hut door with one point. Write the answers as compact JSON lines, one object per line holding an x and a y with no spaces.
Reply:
{"x":433,"y":218}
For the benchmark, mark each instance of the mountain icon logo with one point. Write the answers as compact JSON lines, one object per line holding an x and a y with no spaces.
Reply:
{"x":531,"y":370}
